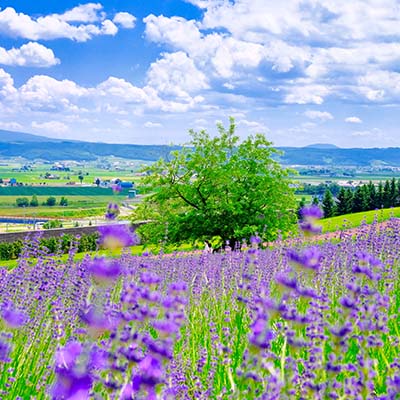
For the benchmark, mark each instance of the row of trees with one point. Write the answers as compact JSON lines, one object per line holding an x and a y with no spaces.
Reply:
{"x":34,"y":202}
{"x":364,"y":198}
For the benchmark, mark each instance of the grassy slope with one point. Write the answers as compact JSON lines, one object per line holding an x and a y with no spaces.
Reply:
{"x":354,"y":220}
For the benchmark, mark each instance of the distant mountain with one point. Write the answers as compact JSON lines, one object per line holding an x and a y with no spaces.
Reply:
{"x":321,"y":146}
{"x":15,"y":144}
{"x":19,"y":137}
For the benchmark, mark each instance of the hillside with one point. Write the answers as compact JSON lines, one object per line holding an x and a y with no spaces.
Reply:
{"x":14,"y":144}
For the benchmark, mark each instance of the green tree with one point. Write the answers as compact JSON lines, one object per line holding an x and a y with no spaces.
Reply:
{"x":372,"y":195}
{"x":22,"y":202}
{"x":315,"y":201}
{"x":379,"y":196}
{"x":63,"y":201}
{"x":344,"y":201}
{"x":51,"y":201}
{"x":34,"y":201}
{"x":387,"y":194}
{"x":217,"y":186}
{"x":328,"y":204}
{"x":360,"y":199}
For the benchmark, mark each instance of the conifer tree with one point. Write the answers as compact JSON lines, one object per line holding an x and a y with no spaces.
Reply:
{"x":328,"y":204}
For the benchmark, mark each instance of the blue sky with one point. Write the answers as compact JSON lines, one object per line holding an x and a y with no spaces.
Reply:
{"x":300,"y":71}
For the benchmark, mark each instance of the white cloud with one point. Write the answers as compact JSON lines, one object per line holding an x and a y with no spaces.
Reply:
{"x":176,"y":75}
{"x":253,"y":126}
{"x":109,"y":28}
{"x":321,"y":115}
{"x":379,"y":85}
{"x":29,"y":55}
{"x":56,"y":26}
{"x":125,"y":20}
{"x":353,"y":120}
{"x":44,"y":93}
{"x":83,"y":13}
{"x":306,"y":94}
{"x":7,"y":89}
{"x":54,"y":127}
{"x":150,"y":124}
{"x":120,"y":88}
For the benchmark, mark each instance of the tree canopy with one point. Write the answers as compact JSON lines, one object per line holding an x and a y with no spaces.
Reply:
{"x":217,"y":186}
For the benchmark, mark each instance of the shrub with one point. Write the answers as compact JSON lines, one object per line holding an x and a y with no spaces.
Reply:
{"x":22,"y":202}
{"x":51,"y":201}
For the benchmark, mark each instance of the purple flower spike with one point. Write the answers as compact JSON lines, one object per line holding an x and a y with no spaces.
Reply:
{"x":286,"y":280}
{"x":112,"y":211}
{"x":312,"y":212}
{"x":11,"y":316}
{"x":116,"y":236}
{"x":310,"y":258}
{"x":255,"y":240}
{"x":104,"y":270}
{"x":177,"y":287}
{"x":150,"y":374}
{"x":5,"y":350}
{"x":310,"y":228}
{"x":117,"y":188}
{"x":148,"y":278}
{"x":67,"y":356}
{"x":72,"y":386}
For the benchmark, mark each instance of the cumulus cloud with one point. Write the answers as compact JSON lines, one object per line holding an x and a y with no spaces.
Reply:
{"x":83,"y":13}
{"x":175,"y":74}
{"x":306,"y":94}
{"x":55,"y":26}
{"x":31,"y":54}
{"x":353,"y":120}
{"x":7,"y":89}
{"x":125,"y":20}
{"x":321,"y":115}
{"x":379,"y":85}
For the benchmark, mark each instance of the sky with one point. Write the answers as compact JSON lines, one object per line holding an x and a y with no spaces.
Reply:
{"x":148,"y":71}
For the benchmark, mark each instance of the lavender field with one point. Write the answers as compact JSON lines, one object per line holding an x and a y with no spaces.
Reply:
{"x":291,"y":322}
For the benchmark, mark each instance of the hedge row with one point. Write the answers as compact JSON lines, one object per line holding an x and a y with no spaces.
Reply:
{"x":59,"y":244}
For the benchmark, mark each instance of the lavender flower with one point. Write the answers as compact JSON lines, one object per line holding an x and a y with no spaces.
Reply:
{"x":112,"y":211}
{"x":116,"y":236}
{"x":309,"y":258}
{"x":13,"y":317}
{"x":104,"y":270}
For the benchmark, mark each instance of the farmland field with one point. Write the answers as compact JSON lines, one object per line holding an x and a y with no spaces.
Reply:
{"x":295,"y":323}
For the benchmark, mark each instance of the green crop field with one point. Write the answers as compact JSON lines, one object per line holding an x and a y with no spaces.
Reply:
{"x":57,"y":191}
{"x":90,"y":171}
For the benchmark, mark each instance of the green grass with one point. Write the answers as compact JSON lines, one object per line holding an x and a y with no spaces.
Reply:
{"x":133,"y":250}
{"x":354,"y":220}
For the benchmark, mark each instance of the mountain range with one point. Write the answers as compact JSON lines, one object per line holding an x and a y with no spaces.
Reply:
{"x":31,"y":147}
